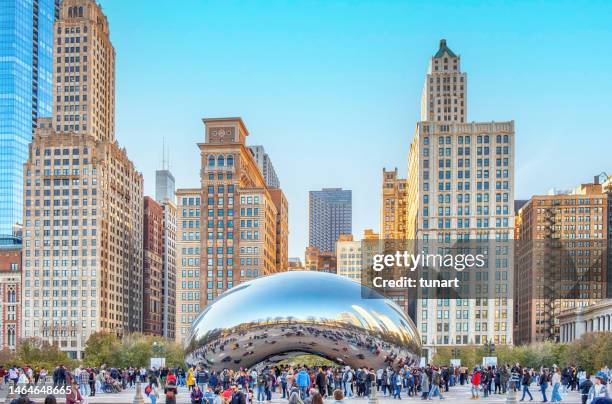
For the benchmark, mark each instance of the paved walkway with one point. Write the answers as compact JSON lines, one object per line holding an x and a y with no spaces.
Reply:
{"x":457,"y":394}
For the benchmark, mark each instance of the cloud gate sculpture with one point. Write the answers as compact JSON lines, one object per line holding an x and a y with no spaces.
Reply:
{"x":270,"y":318}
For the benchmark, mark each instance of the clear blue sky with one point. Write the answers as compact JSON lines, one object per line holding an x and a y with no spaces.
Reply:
{"x":332,"y":88}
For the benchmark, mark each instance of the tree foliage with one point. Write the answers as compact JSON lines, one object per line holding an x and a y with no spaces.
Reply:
{"x":133,"y":350}
{"x":592,"y":352}
{"x":39,"y":352}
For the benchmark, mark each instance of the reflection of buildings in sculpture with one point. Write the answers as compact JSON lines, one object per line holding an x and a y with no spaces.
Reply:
{"x":460,"y":186}
{"x":393,"y":206}
{"x":580,"y":320}
{"x":280,"y":316}
{"x":561,"y":258}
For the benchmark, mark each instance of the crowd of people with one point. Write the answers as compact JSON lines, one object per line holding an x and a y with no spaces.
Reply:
{"x":312,"y":385}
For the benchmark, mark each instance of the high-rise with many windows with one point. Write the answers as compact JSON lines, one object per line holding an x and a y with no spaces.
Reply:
{"x":83,"y":198}
{"x":330,"y":214}
{"x":26,"y":91}
{"x":567,"y":231}
{"x":187,"y":259}
{"x":460,"y":187}
{"x":232,"y":229}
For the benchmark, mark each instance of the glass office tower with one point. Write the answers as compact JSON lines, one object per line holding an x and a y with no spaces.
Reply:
{"x":26,"y":93}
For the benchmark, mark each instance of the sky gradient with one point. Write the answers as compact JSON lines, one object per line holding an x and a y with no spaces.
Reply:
{"x":332,"y":89}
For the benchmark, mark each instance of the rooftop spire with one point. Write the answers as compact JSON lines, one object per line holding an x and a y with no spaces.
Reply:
{"x":444,"y":49}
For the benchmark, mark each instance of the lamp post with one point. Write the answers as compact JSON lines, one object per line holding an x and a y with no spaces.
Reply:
{"x":138,"y":398}
{"x":373,"y":399}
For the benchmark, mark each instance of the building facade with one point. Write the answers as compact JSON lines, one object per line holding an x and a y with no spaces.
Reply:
{"x":239,"y":226}
{"x":460,"y":188}
{"x":348,"y":257}
{"x":153,"y":250}
{"x":169,"y":255}
{"x":188,"y":254}
{"x":265,"y":166}
{"x":10,"y":297}
{"x":83,"y":198}
{"x":576,"y":322}
{"x":231,"y":229}
{"x":393,"y":206}
{"x":282,"y":228}
{"x":321,"y":261}
{"x":330,"y":214}
{"x":572,"y":223}
{"x":26,"y":93}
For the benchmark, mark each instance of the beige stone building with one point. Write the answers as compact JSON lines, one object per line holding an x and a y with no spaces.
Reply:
{"x":188,"y":291}
{"x":169,"y":269}
{"x":561,"y":233}
{"x":460,"y":187}
{"x":84,"y":71}
{"x":83,"y":198}
{"x":444,"y":97}
{"x":393,"y":206}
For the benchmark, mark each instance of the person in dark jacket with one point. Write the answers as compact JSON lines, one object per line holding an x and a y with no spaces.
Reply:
{"x":238,"y":396}
{"x":321,"y":382}
{"x":525,"y":382}
{"x":585,"y":387}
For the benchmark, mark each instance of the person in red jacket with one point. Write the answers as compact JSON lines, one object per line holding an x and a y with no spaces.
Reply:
{"x":476,"y":384}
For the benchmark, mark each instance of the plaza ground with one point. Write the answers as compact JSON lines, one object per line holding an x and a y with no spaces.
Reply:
{"x":457,"y":394}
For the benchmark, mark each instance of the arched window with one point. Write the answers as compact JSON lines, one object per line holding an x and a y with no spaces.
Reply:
{"x":80,"y":11}
{"x":70,"y":12}
{"x":211,"y":161}
{"x":230,"y":160}
{"x":221,"y":161}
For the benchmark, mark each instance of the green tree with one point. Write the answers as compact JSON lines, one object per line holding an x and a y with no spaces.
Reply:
{"x":38,"y":352}
{"x":102,"y":348}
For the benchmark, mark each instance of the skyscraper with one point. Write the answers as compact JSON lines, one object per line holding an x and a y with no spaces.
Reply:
{"x":164,"y":186}
{"x":330,"y":214}
{"x":26,"y":91}
{"x":460,"y":187}
{"x":265,"y":166}
{"x":164,"y":193}
{"x":239,"y":230}
{"x":153,"y":245}
{"x":231,"y":229}
{"x":83,"y":198}
{"x":189,"y":208}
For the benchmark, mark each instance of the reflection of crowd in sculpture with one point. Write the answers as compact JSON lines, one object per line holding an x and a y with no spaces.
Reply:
{"x":256,"y":340}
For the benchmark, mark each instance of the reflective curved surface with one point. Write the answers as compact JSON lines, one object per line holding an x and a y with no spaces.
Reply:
{"x":271,"y":317}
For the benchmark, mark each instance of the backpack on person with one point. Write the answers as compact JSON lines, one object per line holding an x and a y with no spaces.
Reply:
{"x":148,"y":390}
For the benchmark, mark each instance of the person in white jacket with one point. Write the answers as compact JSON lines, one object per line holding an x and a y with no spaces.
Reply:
{"x":599,"y":389}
